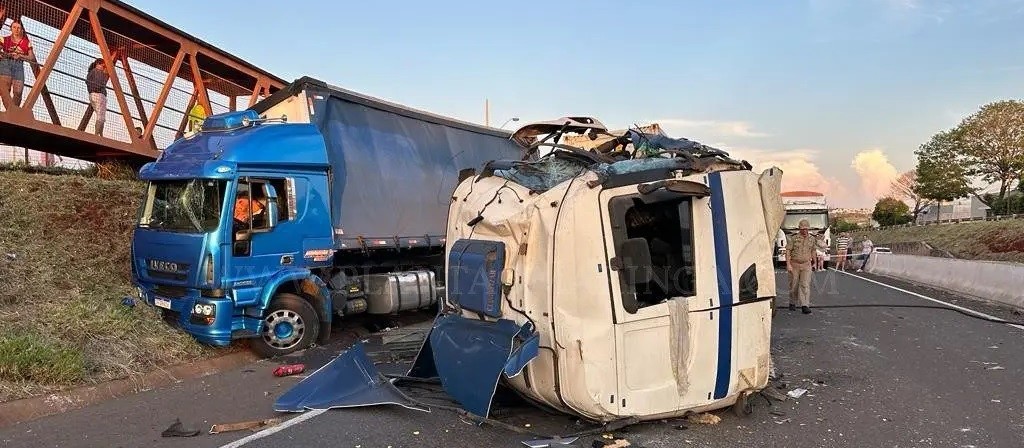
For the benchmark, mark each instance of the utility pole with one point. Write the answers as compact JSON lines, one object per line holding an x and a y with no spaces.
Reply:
{"x":487,"y":112}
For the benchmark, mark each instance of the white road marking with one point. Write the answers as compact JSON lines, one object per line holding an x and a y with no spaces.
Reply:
{"x":269,"y":431}
{"x":922,"y":296}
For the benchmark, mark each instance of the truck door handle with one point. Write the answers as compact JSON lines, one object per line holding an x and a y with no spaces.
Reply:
{"x":287,"y":260}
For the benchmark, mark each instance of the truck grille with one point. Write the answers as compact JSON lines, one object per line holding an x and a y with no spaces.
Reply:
{"x":168,"y":275}
{"x":169,"y":292}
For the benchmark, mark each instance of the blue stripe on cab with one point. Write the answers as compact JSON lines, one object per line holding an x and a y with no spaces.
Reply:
{"x":720,"y":231}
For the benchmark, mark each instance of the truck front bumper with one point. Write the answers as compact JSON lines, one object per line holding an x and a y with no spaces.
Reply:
{"x":218,"y":328}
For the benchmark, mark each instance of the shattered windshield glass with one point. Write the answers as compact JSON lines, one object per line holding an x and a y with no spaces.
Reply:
{"x":183,"y":205}
{"x":543,"y":174}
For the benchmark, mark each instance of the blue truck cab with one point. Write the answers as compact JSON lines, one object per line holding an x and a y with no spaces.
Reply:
{"x":317,"y":203}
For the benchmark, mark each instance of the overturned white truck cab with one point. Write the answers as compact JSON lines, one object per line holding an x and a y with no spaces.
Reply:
{"x":634,"y":280}
{"x":649,"y":280}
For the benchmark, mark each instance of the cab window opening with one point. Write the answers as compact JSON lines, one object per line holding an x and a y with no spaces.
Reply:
{"x":667,"y":229}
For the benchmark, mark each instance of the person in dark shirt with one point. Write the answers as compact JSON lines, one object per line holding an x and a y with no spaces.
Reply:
{"x":96,"y":83}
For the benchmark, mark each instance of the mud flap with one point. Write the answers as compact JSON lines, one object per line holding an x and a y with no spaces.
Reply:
{"x":348,"y":381}
{"x":469,"y":356}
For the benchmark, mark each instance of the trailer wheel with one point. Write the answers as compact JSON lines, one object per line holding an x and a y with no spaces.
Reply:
{"x":743,"y":407}
{"x":290,"y":324}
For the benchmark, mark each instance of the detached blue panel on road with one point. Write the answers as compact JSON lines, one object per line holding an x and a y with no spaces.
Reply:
{"x":350,"y":380}
{"x":471,"y":355}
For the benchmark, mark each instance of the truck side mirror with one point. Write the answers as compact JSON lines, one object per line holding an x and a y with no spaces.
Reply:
{"x":272,"y":213}
{"x":635,"y":260}
{"x":272,"y":205}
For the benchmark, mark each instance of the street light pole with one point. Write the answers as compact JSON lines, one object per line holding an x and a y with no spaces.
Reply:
{"x":506,"y":122}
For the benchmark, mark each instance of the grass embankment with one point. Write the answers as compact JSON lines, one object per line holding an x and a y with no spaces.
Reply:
{"x":64,"y":268}
{"x":982,"y":240}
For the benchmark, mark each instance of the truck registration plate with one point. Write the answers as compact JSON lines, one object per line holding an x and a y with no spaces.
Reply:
{"x":162,"y":303}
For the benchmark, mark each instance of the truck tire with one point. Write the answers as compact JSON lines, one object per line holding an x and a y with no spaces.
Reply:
{"x":290,"y":324}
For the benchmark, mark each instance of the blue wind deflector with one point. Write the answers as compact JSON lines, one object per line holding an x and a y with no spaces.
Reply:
{"x":470,"y":356}
{"x":474,"y":275}
{"x":348,"y":381}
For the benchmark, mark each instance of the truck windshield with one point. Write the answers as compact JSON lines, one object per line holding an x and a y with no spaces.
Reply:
{"x":817,"y":220}
{"x":183,"y":205}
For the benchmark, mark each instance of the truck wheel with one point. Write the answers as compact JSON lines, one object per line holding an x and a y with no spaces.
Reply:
{"x":291,"y":324}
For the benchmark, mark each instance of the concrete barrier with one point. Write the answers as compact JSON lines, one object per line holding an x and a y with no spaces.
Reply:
{"x":991,"y":280}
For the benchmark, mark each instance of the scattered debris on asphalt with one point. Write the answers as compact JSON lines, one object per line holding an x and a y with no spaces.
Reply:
{"x":706,"y":418}
{"x":290,"y":369}
{"x":254,"y":425}
{"x":777,"y":413}
{"x":797,"y":393}
{"x":774,"y":394}
{"x":996,"y":368}
{"x":547,"y":443}
{"x":178,"y":430}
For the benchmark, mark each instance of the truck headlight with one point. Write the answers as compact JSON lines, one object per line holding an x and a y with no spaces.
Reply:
{"x":203,"y":313}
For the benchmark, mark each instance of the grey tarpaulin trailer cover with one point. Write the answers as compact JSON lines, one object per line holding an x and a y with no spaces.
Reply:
{"x":393,"y":168}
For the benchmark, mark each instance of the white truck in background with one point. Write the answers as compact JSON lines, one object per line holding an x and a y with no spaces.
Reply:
{"x":799,"y":205}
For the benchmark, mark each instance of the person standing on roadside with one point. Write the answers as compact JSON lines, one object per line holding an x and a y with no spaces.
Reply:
{"x":842,"y":250}
{"x":866,"y":247}
{"x":801,"y":255}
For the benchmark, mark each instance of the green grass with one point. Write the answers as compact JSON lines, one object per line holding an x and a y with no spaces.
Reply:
{"x":982,"y":240}
{"x":33,"y":358}
{"x":64,"y":268}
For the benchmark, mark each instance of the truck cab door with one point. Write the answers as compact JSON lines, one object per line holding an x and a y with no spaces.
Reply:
{"x":662,"y":265}
{"x":263,"y":235}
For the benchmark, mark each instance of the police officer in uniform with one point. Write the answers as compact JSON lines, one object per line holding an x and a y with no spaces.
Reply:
{"x":802,"y":249}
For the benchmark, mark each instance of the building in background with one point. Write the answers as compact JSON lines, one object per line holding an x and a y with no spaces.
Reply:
{"x":965,"y":208}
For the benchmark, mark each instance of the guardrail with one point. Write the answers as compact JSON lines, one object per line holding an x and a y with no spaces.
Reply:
{"x":956,"y":221}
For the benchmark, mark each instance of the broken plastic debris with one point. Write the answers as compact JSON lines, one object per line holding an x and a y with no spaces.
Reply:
{"x":290,"y":369}
{"x":705,"y":419}
{"x":797,"y":393}
{"x":12,"y":256}
{"x":177,"y":430}
{"x":546,"y":443}
{"x":996,"y":368}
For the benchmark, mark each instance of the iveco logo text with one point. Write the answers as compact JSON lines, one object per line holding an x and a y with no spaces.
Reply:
{"x":165,"y":266}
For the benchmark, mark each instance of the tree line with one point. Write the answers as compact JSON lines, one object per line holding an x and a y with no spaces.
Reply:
{"x":984,"y":151}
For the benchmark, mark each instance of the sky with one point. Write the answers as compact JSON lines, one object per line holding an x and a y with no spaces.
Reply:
{"x":838,"y":93}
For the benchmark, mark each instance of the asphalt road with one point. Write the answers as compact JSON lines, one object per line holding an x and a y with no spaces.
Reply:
{"x":877,"y":376}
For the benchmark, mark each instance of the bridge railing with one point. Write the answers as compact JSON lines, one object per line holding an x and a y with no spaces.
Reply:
{"x":157,"y":74}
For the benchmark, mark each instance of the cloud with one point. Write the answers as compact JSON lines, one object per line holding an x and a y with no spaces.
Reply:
{"x":875,"y":171}
{"x":800,"y":170}
{"x":708,"y":129}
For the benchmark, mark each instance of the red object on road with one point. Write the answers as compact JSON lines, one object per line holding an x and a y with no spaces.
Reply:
{"x":289,"y":369}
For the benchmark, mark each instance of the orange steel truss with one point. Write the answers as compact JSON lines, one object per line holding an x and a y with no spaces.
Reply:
{"x":158,"y":74}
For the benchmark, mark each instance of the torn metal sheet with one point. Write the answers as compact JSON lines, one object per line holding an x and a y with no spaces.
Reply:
{"x":350,"y":380}
{"x":469,"y":356}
